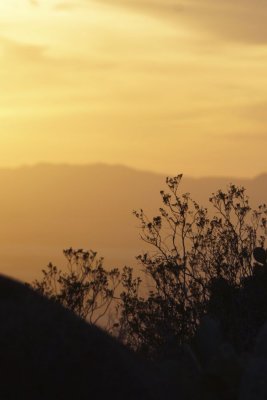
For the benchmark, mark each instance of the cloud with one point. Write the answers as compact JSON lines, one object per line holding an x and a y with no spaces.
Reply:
{"x":230,"y":20}
{"x":234,"y":20}
{"x":23,"y":51}
{"x":67,"y":6}
{"x":64,"y":7}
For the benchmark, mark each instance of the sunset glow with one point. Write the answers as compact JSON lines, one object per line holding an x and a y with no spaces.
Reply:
{"x":148,"y":85}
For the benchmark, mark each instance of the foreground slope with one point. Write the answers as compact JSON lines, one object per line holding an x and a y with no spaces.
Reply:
{"x":48,"y":353}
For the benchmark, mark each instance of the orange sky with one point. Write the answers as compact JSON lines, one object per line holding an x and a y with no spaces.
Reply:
{"x":169,"y":86}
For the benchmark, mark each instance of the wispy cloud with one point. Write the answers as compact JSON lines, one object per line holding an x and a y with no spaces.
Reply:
{"x":65,"y":7}
{"x":69,"y":6}
{"x":13,"y":49}
{"x":229,"y":20}
{"x":233,"y":20}
{"x":165,"y":78}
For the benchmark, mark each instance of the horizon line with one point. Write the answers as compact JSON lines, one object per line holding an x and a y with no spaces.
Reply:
{"x":124,"y":166}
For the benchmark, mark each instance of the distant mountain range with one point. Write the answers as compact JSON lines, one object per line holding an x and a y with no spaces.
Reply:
{"x":46,"y":208}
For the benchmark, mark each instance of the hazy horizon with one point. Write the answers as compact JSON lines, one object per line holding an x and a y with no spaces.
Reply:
{"x":46,"y":208}
{"x":134,"y":168}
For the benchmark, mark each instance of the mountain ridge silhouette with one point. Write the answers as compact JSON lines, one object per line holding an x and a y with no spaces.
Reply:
{"x":46,"y":207}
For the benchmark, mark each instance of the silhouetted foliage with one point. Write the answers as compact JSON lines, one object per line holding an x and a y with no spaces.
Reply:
{"x":196,"y":266}
{"x":86,"y":288}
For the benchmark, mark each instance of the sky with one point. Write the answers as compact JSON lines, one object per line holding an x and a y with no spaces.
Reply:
{"x":163,"y":85}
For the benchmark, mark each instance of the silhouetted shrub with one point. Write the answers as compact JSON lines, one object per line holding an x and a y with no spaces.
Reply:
{"x":198,"y":265}
{"x":85,"y":288}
